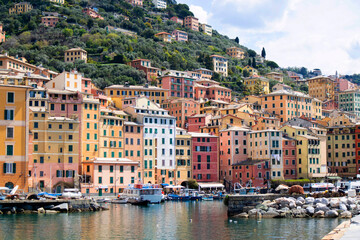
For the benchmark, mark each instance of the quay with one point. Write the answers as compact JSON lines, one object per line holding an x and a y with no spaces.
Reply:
{"x":49,"y":206}
{"x":345,"y":231}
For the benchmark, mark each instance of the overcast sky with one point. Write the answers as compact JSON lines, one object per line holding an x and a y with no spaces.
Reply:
{"x":321,"y":34}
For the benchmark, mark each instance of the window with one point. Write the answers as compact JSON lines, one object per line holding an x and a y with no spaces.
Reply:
{"x":9,"y":114}
{"x":10,"y":97}
{"x":100,"y":179}
{"x":9,"y":150}
{"x":9,"y":132}
{"x":132,"y":169}
{"x":100,"y":168}
{"x":9,"y":167}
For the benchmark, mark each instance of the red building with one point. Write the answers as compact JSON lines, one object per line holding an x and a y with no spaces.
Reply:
{"x":197,"y":121}
{"x":145,"y":65}
{"x":289,"y":157}
{"x":208,"y":89}
{"x":2,"y":34}
{"x":49,"y":21}
{"x":179,"y":86}
{"x":253,"y":173}
{"x":205,"y":157}
{"x":232,"y":150}
{"x":177,"y":20}
{"x":181,"y":109}
{"x":357,"y":147}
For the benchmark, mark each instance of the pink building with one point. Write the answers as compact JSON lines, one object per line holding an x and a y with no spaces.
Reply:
{"x":86,"y":85}
{"x":208,"y":89}
{"x":177,"y":20}
{"x":197,"y":121}
{"x":49,"y":21}
{"x":192,"y":23}
{"x":205,"y":157}
{"x":108,"y":175}
{"x":345,"y":85}
{"x":180,"y":36}
{"x":2,"y":34}
{"x":253,"y":173}
{"x":289,"y":155}
{"x":181,"y":109}
{"x":232,"y":150}
{"x":179,"y":86}
{"x":92,"y":13}
{"x":136,"y":2}
{"x":145,"y":65}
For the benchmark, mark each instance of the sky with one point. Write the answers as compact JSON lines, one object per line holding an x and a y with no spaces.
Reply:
{"x":321,"y":34}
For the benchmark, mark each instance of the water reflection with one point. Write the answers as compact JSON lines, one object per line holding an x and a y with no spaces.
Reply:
{"x":166,"y":221}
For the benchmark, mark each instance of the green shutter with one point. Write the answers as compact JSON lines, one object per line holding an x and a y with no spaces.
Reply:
{"x":14,"y":167}
{"x":11,"y":115}
{"x":4,"y":167}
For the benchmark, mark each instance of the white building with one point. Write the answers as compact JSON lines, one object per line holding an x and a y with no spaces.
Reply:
{"x":207,"y":29}
{"x":220,"y":65}
{"x":159,"y":140}
{"x":159,"y":3}
{"x":66,"y":81}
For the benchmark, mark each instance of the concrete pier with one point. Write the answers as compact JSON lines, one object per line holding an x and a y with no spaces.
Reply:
{"x":63,"y":205}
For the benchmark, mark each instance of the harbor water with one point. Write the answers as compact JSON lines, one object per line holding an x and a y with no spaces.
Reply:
{"x":171,"y":220}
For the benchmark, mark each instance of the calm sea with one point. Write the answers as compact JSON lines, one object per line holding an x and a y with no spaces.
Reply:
{"x":171,"y":220}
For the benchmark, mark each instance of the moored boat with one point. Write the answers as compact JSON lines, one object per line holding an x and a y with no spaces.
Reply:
{"x":208,"y":198}
{"x":138,"y":202}
{"x":146,"y":192}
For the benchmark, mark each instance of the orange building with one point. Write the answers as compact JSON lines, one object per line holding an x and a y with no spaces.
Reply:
{"x":2,"y":34}
{"x":235,"y":52}
{"x":289,"y":104}
{"x":181,"y":109}
{"x":49,"y":21}
{"x":192,"y":23}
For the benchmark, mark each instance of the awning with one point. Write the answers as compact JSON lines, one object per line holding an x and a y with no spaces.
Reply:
{"x":211,"y":185}
{"x":164,"y":184}
{"x":334,"y":178}
{"x":102,"y":187}
{"x":174,"y":187}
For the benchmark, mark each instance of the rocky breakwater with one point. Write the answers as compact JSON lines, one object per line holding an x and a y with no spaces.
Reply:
{"x":287,"y":207}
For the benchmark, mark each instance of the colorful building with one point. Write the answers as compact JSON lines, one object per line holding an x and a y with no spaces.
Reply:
{"x":341,"y":151}
{"x":138,"y":3}
{"x":197,"y":121}
{"x":281,"y":86}
{"x":181,"y":109}
{"x":161,"y":4}
{"x":71,"y":55}
{"x":289,"y":104}
{"x":205,"y":157}
{"x":211,"y":90}
{"x":49,"y":21}
{"x":183,"y":156}
{"x":275,"y":76}
{"x":145,"y":65}
{"x":207,"y":29}
{"x":180,"y":36}
{"x":204,"y":73}
{"x":164,"y":36}
{"x":321,"y":87}
{"x":220,"y":65}
{"x":134,"y":132}
{"x":159,"y":140}
{"x":118,"y":93}
{"x":92,"y":13}
{"x":192,"y":23}
{"x":257,"y":85}
{"x":178,"y":86}
{"x":14,"y":135}
{"x":233,"y":150}
{"x":252,"y":173}
{"x":16,"y":64}
{"x":349,"y":101}
{"x":289,"y":152}
{"x":252,"y":71}
{"x":177,"y":20}
{"x":20,"y":8}
{"x":235,"y":52}
{"x":2,"y":34}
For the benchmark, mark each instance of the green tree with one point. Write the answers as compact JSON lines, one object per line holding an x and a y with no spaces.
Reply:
{"x":246,"y":73}
{"x":263,"y":53}
{"x":253,"y":62}
{"x":251,"y":53}
{"x":272,"y":64}
{"x":68,"y":32}
{"x":237,"y":40}
{"x":258,"y":89}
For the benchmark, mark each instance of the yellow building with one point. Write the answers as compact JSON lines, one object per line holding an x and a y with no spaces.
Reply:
{"x":90,"y":128}
{"x":118,"y":93}
{"x":235,"y":52}
{"x":183,"y":156}
{"x":58,"y":1}
{"x":54,"y":147}
{"x":257,"y":85}
{"x":71,"y":55}
{"x":311,"y":150}
{"x":111,"y":134}
{"x":19,"y":8}
{"x":14,"y":135}
{"x":275,"y":76}
{"x":321,"y":87}
{"x":252,"y":71}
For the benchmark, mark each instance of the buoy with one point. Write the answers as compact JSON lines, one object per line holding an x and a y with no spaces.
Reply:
{"x":190,"y":220}
{"x":230,"y":220}
{"x":235,"y":222}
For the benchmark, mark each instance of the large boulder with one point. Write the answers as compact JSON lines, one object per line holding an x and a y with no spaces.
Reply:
{"x":321,"y":207}
{"x":284,"y":213}
{"x":301,"y":199}
{"x":254,"y":213}
{"x":309,"y":200}
{"x":319,"y":214}
{"x":270,"y":214}
{"x":310,"y":210}
{"x":299,"y":203}
{"x":342,"y":207}
{"x":242,"y":215}
{"x":331,"y":214}
{"x":334,"y":203}
{"x":345,"y":214}
{"x":292,"y":205}
{"x":299,"y":213}
{"x":41,"y":210}
{"x":262,"y":207}
{"x":324,"y":201}
{"x":352,"y":207}
{"x":350,"y":201}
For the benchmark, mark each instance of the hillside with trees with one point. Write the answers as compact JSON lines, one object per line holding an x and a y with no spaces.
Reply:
{"x":108,"y":51}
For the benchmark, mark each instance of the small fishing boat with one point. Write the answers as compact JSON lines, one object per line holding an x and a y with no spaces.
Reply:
{"x":119,"y":201}
{"x":208,"y":198}
{"x":103,"y":200}
{"x":175,"y":197}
